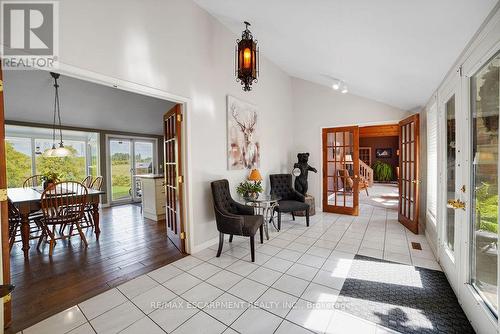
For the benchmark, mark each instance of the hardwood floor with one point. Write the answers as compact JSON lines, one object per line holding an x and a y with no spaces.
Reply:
{"x":129,"y":246}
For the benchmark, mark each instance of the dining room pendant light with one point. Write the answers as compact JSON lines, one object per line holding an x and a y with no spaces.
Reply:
{"x":246,"y":59}
{"x":58,"y":151}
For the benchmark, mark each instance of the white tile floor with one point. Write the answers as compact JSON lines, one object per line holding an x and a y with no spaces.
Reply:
{"x":291,"y":288}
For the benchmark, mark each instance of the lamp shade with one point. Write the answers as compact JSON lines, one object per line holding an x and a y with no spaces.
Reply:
{"x":255,"y":175}
{"x":348,"y":159}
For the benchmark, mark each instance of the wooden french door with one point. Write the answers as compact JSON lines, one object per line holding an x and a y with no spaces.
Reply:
{"x":341,"y":170}
{"x":4,"y":218}
{"x":174,"y":180}
{"x":409,"y":180}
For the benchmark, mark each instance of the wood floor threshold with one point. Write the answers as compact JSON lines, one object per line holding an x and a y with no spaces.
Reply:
{"x":129,"y":246}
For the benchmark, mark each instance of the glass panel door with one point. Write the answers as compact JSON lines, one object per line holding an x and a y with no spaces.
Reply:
{"x":450,"y":171}
{"x":341,"y":170}
{"x":143,"y":163}
{"x":484,"y":179}
{"x":409,"y":134}
{"x":452,"y":203}
{"x":120,"y":156}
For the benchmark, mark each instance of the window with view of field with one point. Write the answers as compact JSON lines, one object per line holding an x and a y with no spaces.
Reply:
{"x":24,"y":154}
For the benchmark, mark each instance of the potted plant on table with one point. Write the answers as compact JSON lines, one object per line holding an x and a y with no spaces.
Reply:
{"x":49,"y":179}
{"x":249,"y":189}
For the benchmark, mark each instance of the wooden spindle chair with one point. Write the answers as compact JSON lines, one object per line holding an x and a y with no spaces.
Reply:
{"x":14,"y":223}
{"x":33,"y":181}
{"x":63,"y":204}
{"x":89,"y":217}
{"x":87,"y":182}
{"x":97,"y":183}
{"x":348,"y":182}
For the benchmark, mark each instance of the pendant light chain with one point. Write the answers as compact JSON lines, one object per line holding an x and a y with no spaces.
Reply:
{"x":58,"y":113}
{"x":60,"y":151}
{"x":54,"y":122}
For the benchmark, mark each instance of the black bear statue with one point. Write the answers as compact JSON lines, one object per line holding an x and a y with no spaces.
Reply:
{"x":303,"y":166}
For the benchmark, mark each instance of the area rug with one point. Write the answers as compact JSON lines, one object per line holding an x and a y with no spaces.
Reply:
{"x":401,"y":297}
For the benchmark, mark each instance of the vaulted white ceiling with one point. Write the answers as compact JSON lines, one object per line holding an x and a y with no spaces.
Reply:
{"x":393,"y":51}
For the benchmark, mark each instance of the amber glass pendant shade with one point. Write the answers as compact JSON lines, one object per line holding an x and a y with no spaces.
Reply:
{"x":247,"y":59}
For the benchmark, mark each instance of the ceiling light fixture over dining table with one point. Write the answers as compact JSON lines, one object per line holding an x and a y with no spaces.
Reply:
{"x":60,"y":151}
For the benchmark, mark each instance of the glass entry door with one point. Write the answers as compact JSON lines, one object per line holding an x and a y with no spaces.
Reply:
{"x":484,"y":170}
{"x":341,"y":170}
{"x":143,"y":164}
{"x":452,"y":198}
{"x":128,"y":158}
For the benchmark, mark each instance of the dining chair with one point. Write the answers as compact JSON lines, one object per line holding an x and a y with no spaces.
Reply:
{"x":63,"y":204}
{"x":348,"y":182}
{"x":14,"y":223}
{"x":88,"y":218}
{"x":97,"y":183}
{"x":33,"y":181}
{"x":87,"y":182}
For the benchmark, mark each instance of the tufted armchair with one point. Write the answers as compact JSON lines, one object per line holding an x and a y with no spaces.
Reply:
{"x":234,"y":218}
{"x":291,"y":200}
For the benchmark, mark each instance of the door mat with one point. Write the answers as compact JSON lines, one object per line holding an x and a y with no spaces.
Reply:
{"x":401,"y":297}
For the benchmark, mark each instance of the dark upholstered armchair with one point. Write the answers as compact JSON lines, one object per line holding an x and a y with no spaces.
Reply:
{"x":291,"y":200}
{"x":234,"y":218}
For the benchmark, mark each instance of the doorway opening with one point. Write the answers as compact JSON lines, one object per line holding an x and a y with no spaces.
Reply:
{"x":129,"y":158}
{"x":114,"y":133}
{"x":379,"y":157}
{"x":374,"y":165}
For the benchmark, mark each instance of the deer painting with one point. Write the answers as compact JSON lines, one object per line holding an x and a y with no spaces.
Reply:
{"x":244,"y":150}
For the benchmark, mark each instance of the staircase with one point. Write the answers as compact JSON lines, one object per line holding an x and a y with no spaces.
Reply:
{"x":366,"y":172}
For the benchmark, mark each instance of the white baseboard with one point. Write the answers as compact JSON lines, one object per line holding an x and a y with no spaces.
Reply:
{"x":204,"y":245}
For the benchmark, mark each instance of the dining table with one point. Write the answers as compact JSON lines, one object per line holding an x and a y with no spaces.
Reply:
{"x":28,"y":200}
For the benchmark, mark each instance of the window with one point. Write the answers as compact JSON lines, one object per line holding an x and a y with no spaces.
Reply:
{"x":432,"y":168}
{"x":72,"y":168}
{"x":24,"y":154}
{"x":18,"y":153}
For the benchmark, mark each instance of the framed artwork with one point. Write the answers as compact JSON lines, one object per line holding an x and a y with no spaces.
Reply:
{"x":243,"y":135}
{"x":383,"y":152}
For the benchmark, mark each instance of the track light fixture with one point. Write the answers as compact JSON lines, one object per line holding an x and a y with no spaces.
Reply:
{"x":340,"y":85}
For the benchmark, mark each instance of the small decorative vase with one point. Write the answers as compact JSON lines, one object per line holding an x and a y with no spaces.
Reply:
{"x":252,"y":195}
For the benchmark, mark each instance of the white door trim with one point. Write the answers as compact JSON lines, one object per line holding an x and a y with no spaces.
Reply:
{"x":186,"y":105}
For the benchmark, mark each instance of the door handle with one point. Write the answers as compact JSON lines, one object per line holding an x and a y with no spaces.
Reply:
{"x":456,"y":204}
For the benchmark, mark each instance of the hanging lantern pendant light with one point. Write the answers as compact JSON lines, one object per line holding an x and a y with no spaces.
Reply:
{"x":60,"y":151}
{"x":247,"y":59}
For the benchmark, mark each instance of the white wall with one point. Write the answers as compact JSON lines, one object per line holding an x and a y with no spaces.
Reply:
{"x":316,"y":107}
{"x":176,"y":47}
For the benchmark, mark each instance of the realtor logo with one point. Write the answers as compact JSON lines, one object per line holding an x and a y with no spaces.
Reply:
{"x":29,"y":34}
